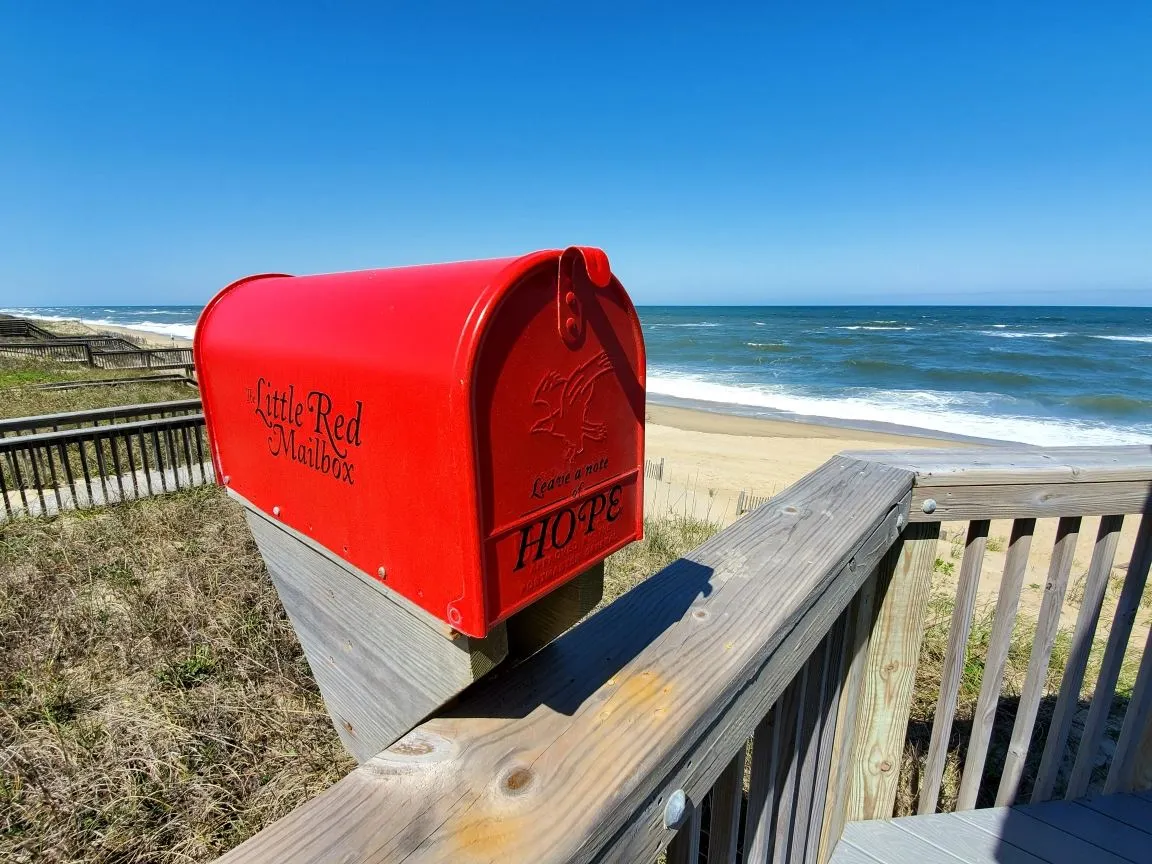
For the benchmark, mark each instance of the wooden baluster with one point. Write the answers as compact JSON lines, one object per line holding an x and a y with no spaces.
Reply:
{"x":724,"y":822}
{"x":785,"y":766}
{"x":1067,"y":533}
{"x":758,"y":826}
{"x":685,"y":846}
{"x":894,"y":634}
{"x":1131,"y":767}
{"x":1095,"y":587}
{"x":808,"y":741}
{"x":1126,"y":609}
{"x":958,"y":634}
{"x":834,"y":670}
{"x":1008,"y":601}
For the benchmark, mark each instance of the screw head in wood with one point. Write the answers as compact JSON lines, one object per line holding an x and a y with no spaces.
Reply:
{"x":675,"y":809}
{"x":929,"y":505}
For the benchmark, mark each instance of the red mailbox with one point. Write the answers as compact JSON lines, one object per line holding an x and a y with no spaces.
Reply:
{"x":469,"y":434}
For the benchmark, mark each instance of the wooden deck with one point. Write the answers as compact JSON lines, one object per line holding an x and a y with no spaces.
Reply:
{"x":1111,"y":829}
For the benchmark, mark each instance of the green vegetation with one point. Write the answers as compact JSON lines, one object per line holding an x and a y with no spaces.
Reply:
{"x":927,"y":690}
{"x":17,"y":399}
{"x":154,"y":702}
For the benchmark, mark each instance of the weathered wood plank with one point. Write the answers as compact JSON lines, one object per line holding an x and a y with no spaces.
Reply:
{"x":1016,"y":828}
{"x":1033,"y":500}
{"x":786,"y":755}
{"x":958,"y":633}
{"x":963,"y":840}
{"x":532,"y":628}
{"x":1000,"y":641}
{"x":834,"y":671}
{"x":986,"y":466}
{"x":858,"y":619}
{"x":759,"y":823}
{"x":1096,"y":827}
{"x":1129,"y":809}
{"x":685,"y":846}
{"x":849,"y":853}
{"x":889,"y":843}
{"x":1048,"y":622}
{"x":893,"y":650}
{"x":1126,"y":608}
{"x":1130,"y":761}
{"x":1095,"y":587}
{"x":724,"y":820}
{"x":382,"y":663}
{"x":571,"y":755}
{"x":808,"y":746}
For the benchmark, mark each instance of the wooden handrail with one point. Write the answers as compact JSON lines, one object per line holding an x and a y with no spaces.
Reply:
{"x":92,"y":416}
{"x":574,"y":754}
{"x":800,"y":626}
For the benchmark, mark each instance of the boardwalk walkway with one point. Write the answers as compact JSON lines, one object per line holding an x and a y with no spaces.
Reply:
{"x":1113,"y":829}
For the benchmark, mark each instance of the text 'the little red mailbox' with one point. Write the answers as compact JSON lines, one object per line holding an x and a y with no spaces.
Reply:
{"x":469,"y":434}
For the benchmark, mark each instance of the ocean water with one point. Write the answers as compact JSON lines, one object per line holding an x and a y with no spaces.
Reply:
{"x":1045,"y":376}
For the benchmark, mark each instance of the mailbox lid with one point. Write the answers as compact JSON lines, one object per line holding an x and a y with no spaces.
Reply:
{"x":559,"y":414}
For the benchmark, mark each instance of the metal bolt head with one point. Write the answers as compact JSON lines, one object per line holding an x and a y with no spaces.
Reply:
{"x":675,"y":809}
{"x":381,"y":572}
{"x":929,"y":505}
{"x":227,"y":479}
{"x":276,"y":510}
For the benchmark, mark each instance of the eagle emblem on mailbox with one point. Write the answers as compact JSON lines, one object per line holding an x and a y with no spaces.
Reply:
{"x":565,"y":399}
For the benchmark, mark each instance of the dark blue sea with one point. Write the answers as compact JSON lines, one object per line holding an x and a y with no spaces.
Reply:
{"x":1045,"y":376}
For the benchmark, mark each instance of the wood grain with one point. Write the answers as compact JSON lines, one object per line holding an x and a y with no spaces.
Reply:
{"x":959,"y":503}
{"x":885,"y":696}
{"x":1087,"y":618}
{"x":958,"y":633}
{"x":1036,"y":678}
{"x":724,"y":820}
{"x":1132,"y":760}
{"x":571,"y":755}
{"x":758,"y":824}
{"x":1126,"y":608}
{"x":685,"y":846}
{"x":984,"y":717}
{"x":382,"y":664}
{"x":985,"y":466}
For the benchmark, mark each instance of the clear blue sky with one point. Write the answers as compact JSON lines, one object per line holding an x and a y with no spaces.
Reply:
{"x":781,"y":152}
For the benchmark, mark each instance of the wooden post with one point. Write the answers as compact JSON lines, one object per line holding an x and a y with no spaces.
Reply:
{"x":382,"y":663}
{"x":885,"y":699}
{"x":531,"y":629}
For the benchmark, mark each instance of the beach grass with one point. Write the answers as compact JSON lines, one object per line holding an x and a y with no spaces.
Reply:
{"x":19,"y":399}
{"x":155,"y":704}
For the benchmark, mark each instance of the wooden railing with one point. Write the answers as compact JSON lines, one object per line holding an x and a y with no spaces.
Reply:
{"x":48,"y":472}
{"x":791,"y":639}
{"x":97,"y":417}
{"x":102,"y":353}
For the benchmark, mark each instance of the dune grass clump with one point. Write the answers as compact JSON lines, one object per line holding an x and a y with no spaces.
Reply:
{"x":154,"y":702}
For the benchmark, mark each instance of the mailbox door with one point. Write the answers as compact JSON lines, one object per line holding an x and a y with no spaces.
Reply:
{"x":559,"y":433}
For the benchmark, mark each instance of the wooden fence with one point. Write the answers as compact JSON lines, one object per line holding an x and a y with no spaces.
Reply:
{"x":97,"y":417}
{"x":783,"y":650}
{"x":162,"y":378}
{"x":21,"y":328}
{"x":101,"y":353}
{"x":48,"y":472}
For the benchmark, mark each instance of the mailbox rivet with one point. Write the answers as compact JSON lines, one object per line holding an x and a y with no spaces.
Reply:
{"x":675,"y":809}
{"x":929,"y":505}
{"x":570,"y":298}
{"x":276,"y":510}
{"x":227,"y":479}
{"x":381,"y":572}
{"x":570,"y":326}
